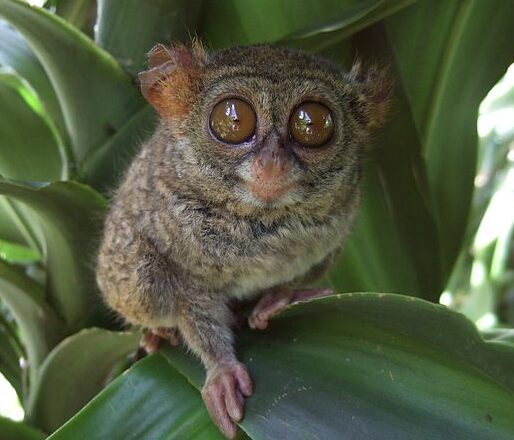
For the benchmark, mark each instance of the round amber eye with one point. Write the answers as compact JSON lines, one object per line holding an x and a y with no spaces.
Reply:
{"x":233,"y":121}
{"x":311,"y":124}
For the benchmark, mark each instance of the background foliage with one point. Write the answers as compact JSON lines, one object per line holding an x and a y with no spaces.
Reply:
{"x":351,"y":366}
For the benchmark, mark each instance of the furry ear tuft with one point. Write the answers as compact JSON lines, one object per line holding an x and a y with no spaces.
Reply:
{"x":376,"y":87}
{"x":172,"y":78}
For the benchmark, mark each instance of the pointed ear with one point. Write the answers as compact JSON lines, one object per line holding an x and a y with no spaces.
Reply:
{"x":376,"y":87}
{"x":172,"y":78}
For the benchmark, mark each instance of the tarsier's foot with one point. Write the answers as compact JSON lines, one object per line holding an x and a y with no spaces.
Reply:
{"x":275,"y":301}
{"x":224,"y":395}
{"x":152,"y":338}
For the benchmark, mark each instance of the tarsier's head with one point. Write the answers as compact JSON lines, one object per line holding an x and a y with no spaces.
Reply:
{"x":264,"y":127}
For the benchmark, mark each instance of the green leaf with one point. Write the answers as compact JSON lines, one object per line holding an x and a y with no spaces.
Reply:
{"x":150,"y":401}
{"x":256,"y":21}
{"x":15,"y":253}
{"x":40,"y":328}
{"x":15,"y":53}
{"x":79,"y":13}
{"x":361,"y":366}
{"x":96,"y":96}
{"x":10,"y":354}
{"x":394,"y":246}
{"x":163,"y":21}
{"x":449,"y":56}
{"x":8,"y":229}
{"x":10,"y":430}
{"x":29,"y":147}
{"x":69,"y":215}
{"x":347,"y":22}
{"x":104,"y":168}
{"x":88,"y":358}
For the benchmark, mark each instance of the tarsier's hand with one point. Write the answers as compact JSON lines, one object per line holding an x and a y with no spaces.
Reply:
{"x":276,"y":300}
{"x":224,"y":395}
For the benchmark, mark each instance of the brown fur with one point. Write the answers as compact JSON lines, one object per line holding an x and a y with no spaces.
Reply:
{"x":184,"y":236}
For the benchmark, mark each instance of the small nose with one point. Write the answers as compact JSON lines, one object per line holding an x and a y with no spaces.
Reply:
{"x":273,"y":161}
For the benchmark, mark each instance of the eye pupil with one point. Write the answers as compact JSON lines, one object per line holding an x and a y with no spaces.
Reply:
{"x":233,"y":121}
{"x":311,"y":124}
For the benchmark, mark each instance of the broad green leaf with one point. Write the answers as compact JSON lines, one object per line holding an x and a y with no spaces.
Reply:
{"x":394,"y":245}
{"x":257,"y":21}
{"x":104,"y":168}
{"x":96,"y":96}
{"x":15,"y":53}
{"x":70,"y":216}
{"x":79,"y":13}
{"x":29,"y":146}
{"x":361,"y":366}
{"x":449,"y":54}
{"x":150,"y":401}
{"x":347,"y":22}
{"x":163,"y":21}
{"x":11,"y":430}
{"x":39,"y":326}
{"x":88,"y":358}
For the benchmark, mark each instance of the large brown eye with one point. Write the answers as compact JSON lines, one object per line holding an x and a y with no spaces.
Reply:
{"x":233,"y":121}
{"x":311,"y":124}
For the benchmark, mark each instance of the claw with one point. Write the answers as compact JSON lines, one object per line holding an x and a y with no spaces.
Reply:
{"x":223,"y":394}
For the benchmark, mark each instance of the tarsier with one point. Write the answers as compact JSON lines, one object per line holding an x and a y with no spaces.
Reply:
{"x":246,"y":190}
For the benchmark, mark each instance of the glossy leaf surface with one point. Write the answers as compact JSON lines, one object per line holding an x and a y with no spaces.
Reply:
{"x":173,"y":408}
{"x":87,"y":358}
{"x":362,"y":366}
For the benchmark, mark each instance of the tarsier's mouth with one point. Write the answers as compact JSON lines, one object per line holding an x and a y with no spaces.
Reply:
{"x":269,"y":191}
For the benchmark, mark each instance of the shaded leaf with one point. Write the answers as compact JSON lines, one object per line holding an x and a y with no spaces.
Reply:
{"x":29,"y":148}
{"x":10,"y":354}
{"x":87,"y":358}
{"x":362,"y":366}
{"x":394,"y":245}
{"x":163,"y":21}
{"x":10,"y":430}
{"x":173,"y":409}
{"x":79,"y":13}
{"x":347,"y":22}
{"x":104,"y":168}
{"x":256,"y":21}
{"x":40,"y":328}
{"x":70,"y":217}
{"x":15,"y":53}
{"x":449,"y":56}
{"x":75,"y":70}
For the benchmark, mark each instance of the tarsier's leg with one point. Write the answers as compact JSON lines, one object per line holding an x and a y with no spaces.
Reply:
{"x":276,"y":300}
{"x":206,"y":330}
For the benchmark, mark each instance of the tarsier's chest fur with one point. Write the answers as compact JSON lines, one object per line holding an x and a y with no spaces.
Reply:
{"x":198,"y":243}
{"x":241,"y":256}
